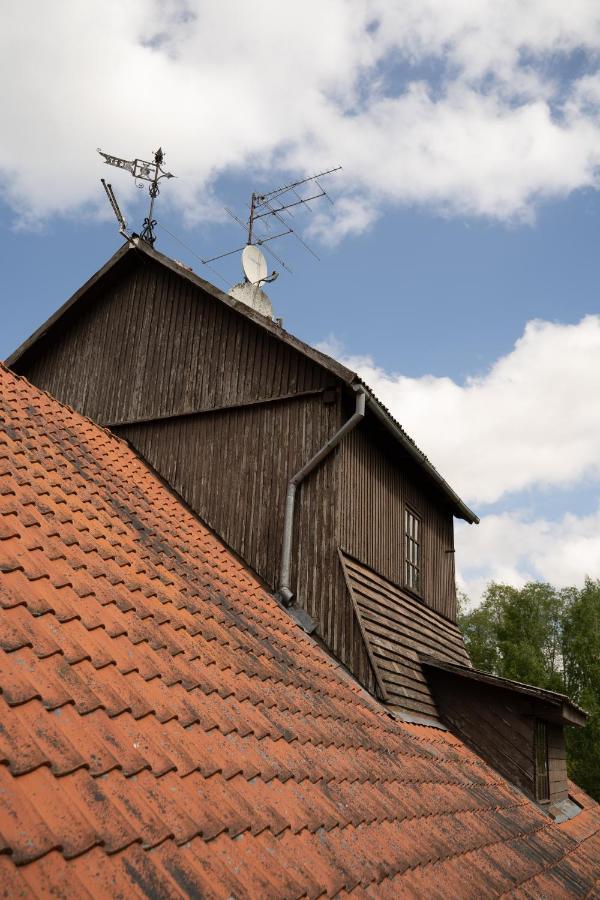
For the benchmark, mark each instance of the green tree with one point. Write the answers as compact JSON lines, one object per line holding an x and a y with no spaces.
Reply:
{"x":550,"y":638}
{"x":582,"y":680}
{"x":530,"y":635}
{"x":480,"y":630}
{"x":518,"y":633}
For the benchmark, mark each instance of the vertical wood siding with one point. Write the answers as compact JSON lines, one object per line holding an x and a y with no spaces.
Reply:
{"x":151,"y":344}
{"x":233,"y":468}
{"x":557,"y":763}
{"x":376,"y":481}
{"x":500,"y":727}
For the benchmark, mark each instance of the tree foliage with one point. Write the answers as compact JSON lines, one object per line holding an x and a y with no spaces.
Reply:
{"x":550,"y":638}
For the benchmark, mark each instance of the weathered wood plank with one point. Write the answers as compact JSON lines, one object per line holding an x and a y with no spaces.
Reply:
{"x":396,"y":599}
{"x":397,"y":632}
{"x":377,"y":481}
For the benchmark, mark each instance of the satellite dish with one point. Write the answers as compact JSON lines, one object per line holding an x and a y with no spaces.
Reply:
{"x":254,"y":264}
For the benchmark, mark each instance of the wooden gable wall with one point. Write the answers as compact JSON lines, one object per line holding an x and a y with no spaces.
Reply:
{"x":147,"y":343}
{"x":225,"y":412}
{"x":377,"y":480}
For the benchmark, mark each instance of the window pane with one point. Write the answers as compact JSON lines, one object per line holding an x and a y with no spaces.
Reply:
{"x":412,"y":550}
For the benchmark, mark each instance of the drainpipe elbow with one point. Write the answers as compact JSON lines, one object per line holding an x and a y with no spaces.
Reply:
{"x":285,"y":596}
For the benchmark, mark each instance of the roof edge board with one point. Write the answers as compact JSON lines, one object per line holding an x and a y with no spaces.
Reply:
{"x":568,"y":712}
{"x":384,"y":416}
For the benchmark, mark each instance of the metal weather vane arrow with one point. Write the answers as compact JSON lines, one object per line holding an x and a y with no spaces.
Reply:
{"x":142,"y":170}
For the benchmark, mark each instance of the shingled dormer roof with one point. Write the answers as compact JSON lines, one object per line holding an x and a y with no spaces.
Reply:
{"x":167,"y":730}
{"x":138,"y":249}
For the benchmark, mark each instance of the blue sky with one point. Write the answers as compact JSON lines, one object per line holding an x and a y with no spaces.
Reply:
{"x":459,"y":267}
{"x":418,"y":292}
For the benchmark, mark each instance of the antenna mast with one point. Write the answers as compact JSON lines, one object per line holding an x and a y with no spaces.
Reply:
{"x":115,"y":208}
{"x":272,"y":204}
{"x":141,"y":170}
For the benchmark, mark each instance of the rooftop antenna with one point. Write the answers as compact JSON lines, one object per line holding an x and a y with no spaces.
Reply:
{"x":115,"y":207}
{"x":263,"y":208}
{"x":142,"y":170}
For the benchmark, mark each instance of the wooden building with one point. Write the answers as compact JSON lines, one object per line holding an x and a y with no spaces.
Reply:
{"x":229,"y":409}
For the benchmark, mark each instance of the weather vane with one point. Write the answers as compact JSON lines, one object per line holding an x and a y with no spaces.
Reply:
{"x":141,"y":171}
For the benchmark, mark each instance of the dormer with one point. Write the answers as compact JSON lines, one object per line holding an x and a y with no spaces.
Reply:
{"x":517,"y":728}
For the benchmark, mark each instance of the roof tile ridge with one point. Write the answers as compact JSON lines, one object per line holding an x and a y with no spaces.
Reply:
{"x":276,"y":830}
{"x":374,"y":726}
{"x":272,"y":733}
{"x":401,"y":870}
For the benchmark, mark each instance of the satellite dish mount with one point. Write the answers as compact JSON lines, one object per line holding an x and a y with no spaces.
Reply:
{"x":141,"y":170}
{"x":263,"y":209}
{"x":254,"y":266}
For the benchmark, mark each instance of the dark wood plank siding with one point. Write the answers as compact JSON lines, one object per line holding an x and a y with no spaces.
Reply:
{"x":150,"y":344}
{"x":233,"y":468}
{"x":500,"y":727}
{"x":557,"y":763}
{"x":376,"y":481}
{"x":398,"y":628}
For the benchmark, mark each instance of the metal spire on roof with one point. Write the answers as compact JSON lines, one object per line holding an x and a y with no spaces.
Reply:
{"x":142,"y":170}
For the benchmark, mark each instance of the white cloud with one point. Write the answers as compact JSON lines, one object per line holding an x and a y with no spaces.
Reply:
{"x":480,"y":123}
{"x":532,"y":420}
{"x":351,"y":215}
{"x":513,"y":548}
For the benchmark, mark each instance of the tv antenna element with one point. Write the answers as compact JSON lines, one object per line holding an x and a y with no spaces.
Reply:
{"x":142,"y":170}
{"x":115,"y":207}
{"x":266,"y":208}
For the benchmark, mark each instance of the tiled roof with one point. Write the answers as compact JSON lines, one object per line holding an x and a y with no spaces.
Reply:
{"x":167,"y":730}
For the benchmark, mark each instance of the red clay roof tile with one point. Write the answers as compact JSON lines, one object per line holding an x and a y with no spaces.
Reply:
{"x":166,"y":729}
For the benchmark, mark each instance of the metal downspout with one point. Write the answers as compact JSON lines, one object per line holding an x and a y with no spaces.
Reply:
{"x":284,"y":593}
